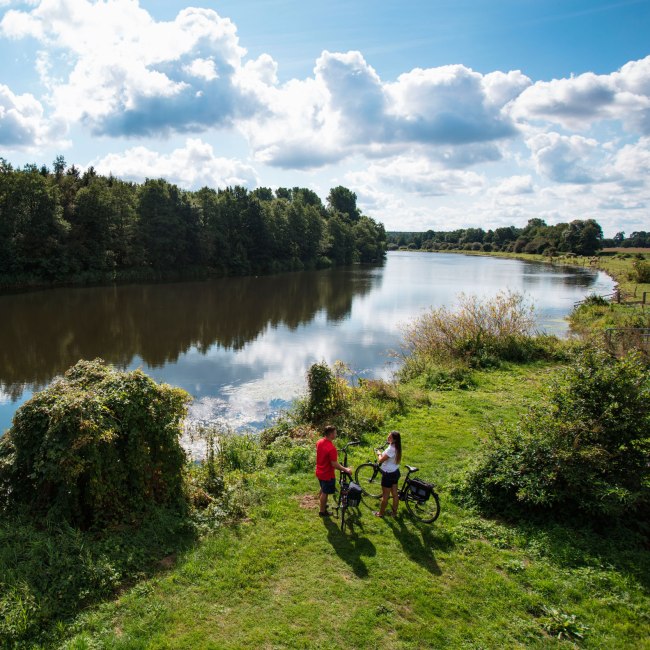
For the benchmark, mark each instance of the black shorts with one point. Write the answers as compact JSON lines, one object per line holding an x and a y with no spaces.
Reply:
{"x":328,"y":487}
{"x":388,"y":479}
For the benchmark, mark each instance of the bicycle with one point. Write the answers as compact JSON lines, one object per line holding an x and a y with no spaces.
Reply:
{"x":349,"y":492}
{"x":420,"y":497}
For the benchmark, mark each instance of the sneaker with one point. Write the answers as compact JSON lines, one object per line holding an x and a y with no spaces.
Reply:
{"x":327,"y":513}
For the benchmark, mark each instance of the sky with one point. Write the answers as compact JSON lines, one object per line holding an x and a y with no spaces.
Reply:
{"x":438,"y":114}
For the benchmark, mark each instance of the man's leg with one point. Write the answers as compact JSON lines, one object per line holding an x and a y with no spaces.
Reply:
{"x":323,"y":501}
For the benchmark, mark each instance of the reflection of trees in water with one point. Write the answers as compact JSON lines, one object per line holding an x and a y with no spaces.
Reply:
{"x":44,"y":333}
{"x":536,"y":274}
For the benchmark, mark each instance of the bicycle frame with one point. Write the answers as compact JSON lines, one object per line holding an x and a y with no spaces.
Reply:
{"x":344,"y":481}
{"x":426,"y":509}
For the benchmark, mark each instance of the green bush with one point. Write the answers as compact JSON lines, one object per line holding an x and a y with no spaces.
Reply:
{"x":98,"y":446}
{"x":595,"y":300}
{"x":641,"y":271}
{"x":439,"y":378}
{"x":323,"y":394}
{"x":610,"y":322}
{"x":584,"y":446}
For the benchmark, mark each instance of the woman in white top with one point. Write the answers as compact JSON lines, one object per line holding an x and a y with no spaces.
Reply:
{"x":390,"y":460}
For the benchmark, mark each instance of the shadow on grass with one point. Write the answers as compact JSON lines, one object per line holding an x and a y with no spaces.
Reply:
{"x":582,"y":542}
{"x":49,"y":574}
{"x":420,"y":541}
{"x":348,"y":545}
{"x":569,"y":539}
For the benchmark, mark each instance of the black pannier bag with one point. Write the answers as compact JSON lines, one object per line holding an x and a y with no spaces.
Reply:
{"x":354,"y":494}
{"x":420,"y":489}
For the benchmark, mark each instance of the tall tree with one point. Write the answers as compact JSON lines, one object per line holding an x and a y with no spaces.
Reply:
{"x":341,"y":199}
{"x":90,"y":234}
{"x":40,"y":227}
{"x":163,"y":212}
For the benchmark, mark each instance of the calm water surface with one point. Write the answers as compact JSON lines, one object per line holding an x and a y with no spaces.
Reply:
{"x":241,"y":346}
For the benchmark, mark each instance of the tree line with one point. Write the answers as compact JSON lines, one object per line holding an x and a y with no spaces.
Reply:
{"x":582,"y":237}
{"x":62,"y":225}
{"x":638,"y":239}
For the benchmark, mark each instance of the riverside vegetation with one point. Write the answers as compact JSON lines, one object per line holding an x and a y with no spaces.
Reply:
{"x":60,"y":226}
{"x":537,"y":446}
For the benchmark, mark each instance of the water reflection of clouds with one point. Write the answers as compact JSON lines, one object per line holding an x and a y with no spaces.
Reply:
{"x":270,"y":370}
{"x":242,"y":347}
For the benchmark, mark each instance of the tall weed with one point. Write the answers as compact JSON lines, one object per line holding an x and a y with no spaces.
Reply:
{"x":479,"y":333}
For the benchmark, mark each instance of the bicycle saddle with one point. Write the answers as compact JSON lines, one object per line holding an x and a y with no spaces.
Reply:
{"x":411,"y":469}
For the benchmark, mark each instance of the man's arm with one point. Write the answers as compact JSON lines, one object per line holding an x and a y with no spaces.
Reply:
{"x":337,"y":465}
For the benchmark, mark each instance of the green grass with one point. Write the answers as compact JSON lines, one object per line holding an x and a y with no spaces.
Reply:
{"x":285,"y":578}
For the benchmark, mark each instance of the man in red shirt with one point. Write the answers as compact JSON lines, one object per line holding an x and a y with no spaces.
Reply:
{"x":326,"y":463}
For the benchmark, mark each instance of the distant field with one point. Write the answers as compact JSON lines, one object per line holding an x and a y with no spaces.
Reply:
{"x":620,"y":249}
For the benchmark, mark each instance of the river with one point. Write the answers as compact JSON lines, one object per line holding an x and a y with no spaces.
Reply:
{"x":241,"y":346}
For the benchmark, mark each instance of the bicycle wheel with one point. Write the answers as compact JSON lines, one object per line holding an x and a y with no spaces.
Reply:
{"x":425,"y":511}
{"x":368,"y":477}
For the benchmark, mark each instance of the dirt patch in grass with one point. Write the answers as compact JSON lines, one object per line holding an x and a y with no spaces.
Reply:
{"x":309,"y":501}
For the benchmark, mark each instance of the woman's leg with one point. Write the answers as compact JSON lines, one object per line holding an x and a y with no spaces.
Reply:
{"x":395,"y":494}
{"x":385,"y":493}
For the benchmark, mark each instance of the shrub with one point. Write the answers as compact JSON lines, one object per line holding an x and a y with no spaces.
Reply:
{"x":97,"y":446}
{"x":641,"y":271}
{"x":327,"y":390}
{"x":595,"y":300}
{"x":480,"y":333}
{"x":617,"y":324}
{"x":441,"y":378}
{"x":584,"y":446}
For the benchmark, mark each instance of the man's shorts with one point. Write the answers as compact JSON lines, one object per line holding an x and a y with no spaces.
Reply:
{"x":328,"y":487}
{"x":388,"y":479}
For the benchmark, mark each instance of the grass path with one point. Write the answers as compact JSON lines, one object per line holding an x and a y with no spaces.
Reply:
{"x":286,"y":578}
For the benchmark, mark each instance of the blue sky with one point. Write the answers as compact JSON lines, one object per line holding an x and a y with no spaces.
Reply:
{"x":438,"y":114}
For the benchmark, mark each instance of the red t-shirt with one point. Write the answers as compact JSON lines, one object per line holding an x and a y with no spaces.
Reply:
{"x":325,"y":453}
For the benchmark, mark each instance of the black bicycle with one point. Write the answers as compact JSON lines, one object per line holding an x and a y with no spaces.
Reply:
{"x":420,"y":497}
{"x":349,"y":492}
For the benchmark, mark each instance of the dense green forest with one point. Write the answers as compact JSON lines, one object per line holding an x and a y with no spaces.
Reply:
{"x":61,"y":225}
{"x":579,"y":237}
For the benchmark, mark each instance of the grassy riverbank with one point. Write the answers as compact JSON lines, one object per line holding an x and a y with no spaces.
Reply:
{"x":283,"y":577}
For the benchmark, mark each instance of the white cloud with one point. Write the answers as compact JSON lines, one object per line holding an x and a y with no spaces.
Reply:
{"x":202,"y":68}
{"x":130,"y":75}
{"x":346,"y":109}
{"x":418,"y":175}
{"x":191,"y":167}
{"x":579,"y":102}
{"x":22,"y":124}
{"x":562,"y":158}
{"x":632,"y":162}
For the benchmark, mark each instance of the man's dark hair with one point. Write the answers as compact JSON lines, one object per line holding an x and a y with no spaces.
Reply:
{"x":328,"y":430}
